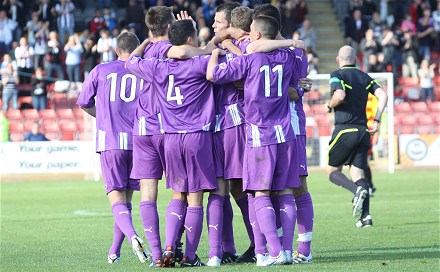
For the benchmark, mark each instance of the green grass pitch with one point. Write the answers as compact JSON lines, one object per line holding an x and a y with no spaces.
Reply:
{"x":67,"y":226}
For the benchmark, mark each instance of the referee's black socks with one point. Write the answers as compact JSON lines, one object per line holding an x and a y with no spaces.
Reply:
{"x":340,"y":179}
{"x":366,"y":204}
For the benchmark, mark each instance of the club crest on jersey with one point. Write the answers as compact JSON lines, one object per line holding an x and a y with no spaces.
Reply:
{"x":134,"y":59}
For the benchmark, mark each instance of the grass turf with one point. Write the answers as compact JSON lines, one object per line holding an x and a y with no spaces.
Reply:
{"x":67,"y":226}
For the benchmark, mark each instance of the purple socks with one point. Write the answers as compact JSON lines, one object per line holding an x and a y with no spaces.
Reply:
{"x":305,"y":217}
{"x":150,"y":221}
{"x":267,"y":221}
{"x":260,"y":240}
{"x":214,"y":218}
{"x":228,"y":231}
{"x":244,"y":208}
{"x":287,"y":214}
{"x":193,"y":229}
{"x":118,"y":237}
{"x":122,"y":217}
{"x":174,"y":216}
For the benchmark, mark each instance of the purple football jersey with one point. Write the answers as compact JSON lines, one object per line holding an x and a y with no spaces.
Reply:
{"x":228,"y":103}
{"x":243,"y":45}
{"x":186,"y":98}
{"x":115,"y":92}
{"x":297,"y":113}
{"x":266,"y":103}
{"x":147,"y":121}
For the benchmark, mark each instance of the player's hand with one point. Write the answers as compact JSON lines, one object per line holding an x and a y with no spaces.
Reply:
{"x":237,"y":33}
{"x":374,"y":128}
{"x":306,"y":84}
{"x":218,"y":52}
{"x":244,"y":38}
{"x":224,"y":44}
{"x":185,"y":16}
{"x":299,"y":44}
{"x":239,"y":85}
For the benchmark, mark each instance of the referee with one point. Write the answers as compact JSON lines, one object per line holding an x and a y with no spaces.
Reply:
{"x":350,"y":141}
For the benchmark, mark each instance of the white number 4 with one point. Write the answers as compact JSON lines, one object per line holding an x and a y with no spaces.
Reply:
{"x":178,"y":97}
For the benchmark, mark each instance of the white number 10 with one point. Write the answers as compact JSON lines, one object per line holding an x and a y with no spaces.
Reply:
{"x":178,"y":97}
{"x":279,"y":69}
{"x":122,"y":94}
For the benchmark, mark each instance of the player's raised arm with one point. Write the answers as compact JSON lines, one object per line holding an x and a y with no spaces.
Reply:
{"x":231,"y":47}
{"x":213,"y":62}
{"x":271,"y":45}
{"x":138,"y":66}
{"x":187,"y":51}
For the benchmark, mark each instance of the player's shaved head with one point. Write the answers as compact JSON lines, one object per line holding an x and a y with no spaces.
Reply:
{"x":127,"y":42}
{"x":347,"y":54}
{"x":227,"y":8}
{"x":157,"y":20}
{"x":180,"y":31}
{"x":267,"y":26}
{"x":241,"y":17}
{"x":268,"y":10}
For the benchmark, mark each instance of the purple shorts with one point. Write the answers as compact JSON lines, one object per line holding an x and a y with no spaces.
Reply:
{"x":148,"y":157}
{"x":229,"y":145}
{"x":302,"y":155}
{"x":271,"y":167}
{"x":116,"y":168}
{"x":190,"y":163}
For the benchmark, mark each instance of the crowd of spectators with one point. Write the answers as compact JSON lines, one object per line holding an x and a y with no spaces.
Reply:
{"x":40,"y":43}
{"x":404,"y":39}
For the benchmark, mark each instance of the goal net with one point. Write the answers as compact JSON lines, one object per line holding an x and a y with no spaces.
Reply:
{"x":320,"y":123}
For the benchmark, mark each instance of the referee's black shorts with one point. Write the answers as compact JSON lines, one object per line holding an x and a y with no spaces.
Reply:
{"x":349,"y":146}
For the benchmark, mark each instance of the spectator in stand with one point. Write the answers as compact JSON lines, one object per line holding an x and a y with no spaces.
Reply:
{"x":134,"y":18}
{"x":376,"y":24}
{"x":46,"y":13}
{"x":308,"y":34}
{"x":355,"y":28}
{"x":373,"y":64}
{"x":300,"y":13}
{"x":408,"y":25}
{"x":104,"y":3}
{"x":109,"y":18}
{"x":369,"y":46}
{"x":288,"y":18}
{"x":35,"y":135}
{"x":53,"y":59}
{"x":65,"y":20}
{"x":17,"y":14}
{"x":208,"y":7}
{"x":426,"y":74}
{"x":24,"y":55}
{"x":204,"y":36}
{"x":409,"y":56}
{"x":105,"y":46}
{"x":424,"y":30}
{"x":73,"y":49}
{"x":354,"y":5}
{"x":40,"y":46}
{"x":368,"y":9}
{"x":7,"y":26}
{"x":416,"y":10}
{"x":436,"y":18}
{"x":84,"y":36}
{"x":97,"y":22}
{"x":32,"y":27}
{"x":39,"y":93}
{"x":9,"y":81}
{"x":313,"y":60}
{"x":388,"y":44}
{"x":90,"y":56}
{"x":4,"y":128}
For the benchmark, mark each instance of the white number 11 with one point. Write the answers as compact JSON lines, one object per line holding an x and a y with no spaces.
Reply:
{"x":279,"y":69}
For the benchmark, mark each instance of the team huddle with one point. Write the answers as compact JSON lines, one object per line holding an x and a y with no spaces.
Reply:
{"x":223,"y":119}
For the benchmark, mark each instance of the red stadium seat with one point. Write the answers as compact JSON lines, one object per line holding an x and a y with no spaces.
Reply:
{"x":424,"y":119}
{"x":419,"y":106}
{"x":435,"y":118}
{"x":406,"y":129}
{"x":434,"y":106}
{"x":424,"y":129}
{"x":324,"y":130}
{"x":14,"y":115}
{"x":52,"y":135}
{"x":30,"y":114}
{"x":16,"y":136}
{"x":318,"y":109}
{"x":65,"y":114}
{"x":409,"y":121}
{"x":78,"y":112}
{"x":51,"y":127}
{"x":408,"y":82}
{"x":28,"y":123}
{"x":16,"y":127}
{"x":48,"y":114}
{"x":68,"y":127}
{"x":84,"y":136}
{"x":402,"y":107}
{"x":67,"y":136}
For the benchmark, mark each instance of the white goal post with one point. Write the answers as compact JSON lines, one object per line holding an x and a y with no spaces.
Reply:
{"x":388,"y":78}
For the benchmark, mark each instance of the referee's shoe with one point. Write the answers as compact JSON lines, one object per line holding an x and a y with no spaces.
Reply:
{"x":358,"y":201}
{"x":365,"y":222}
